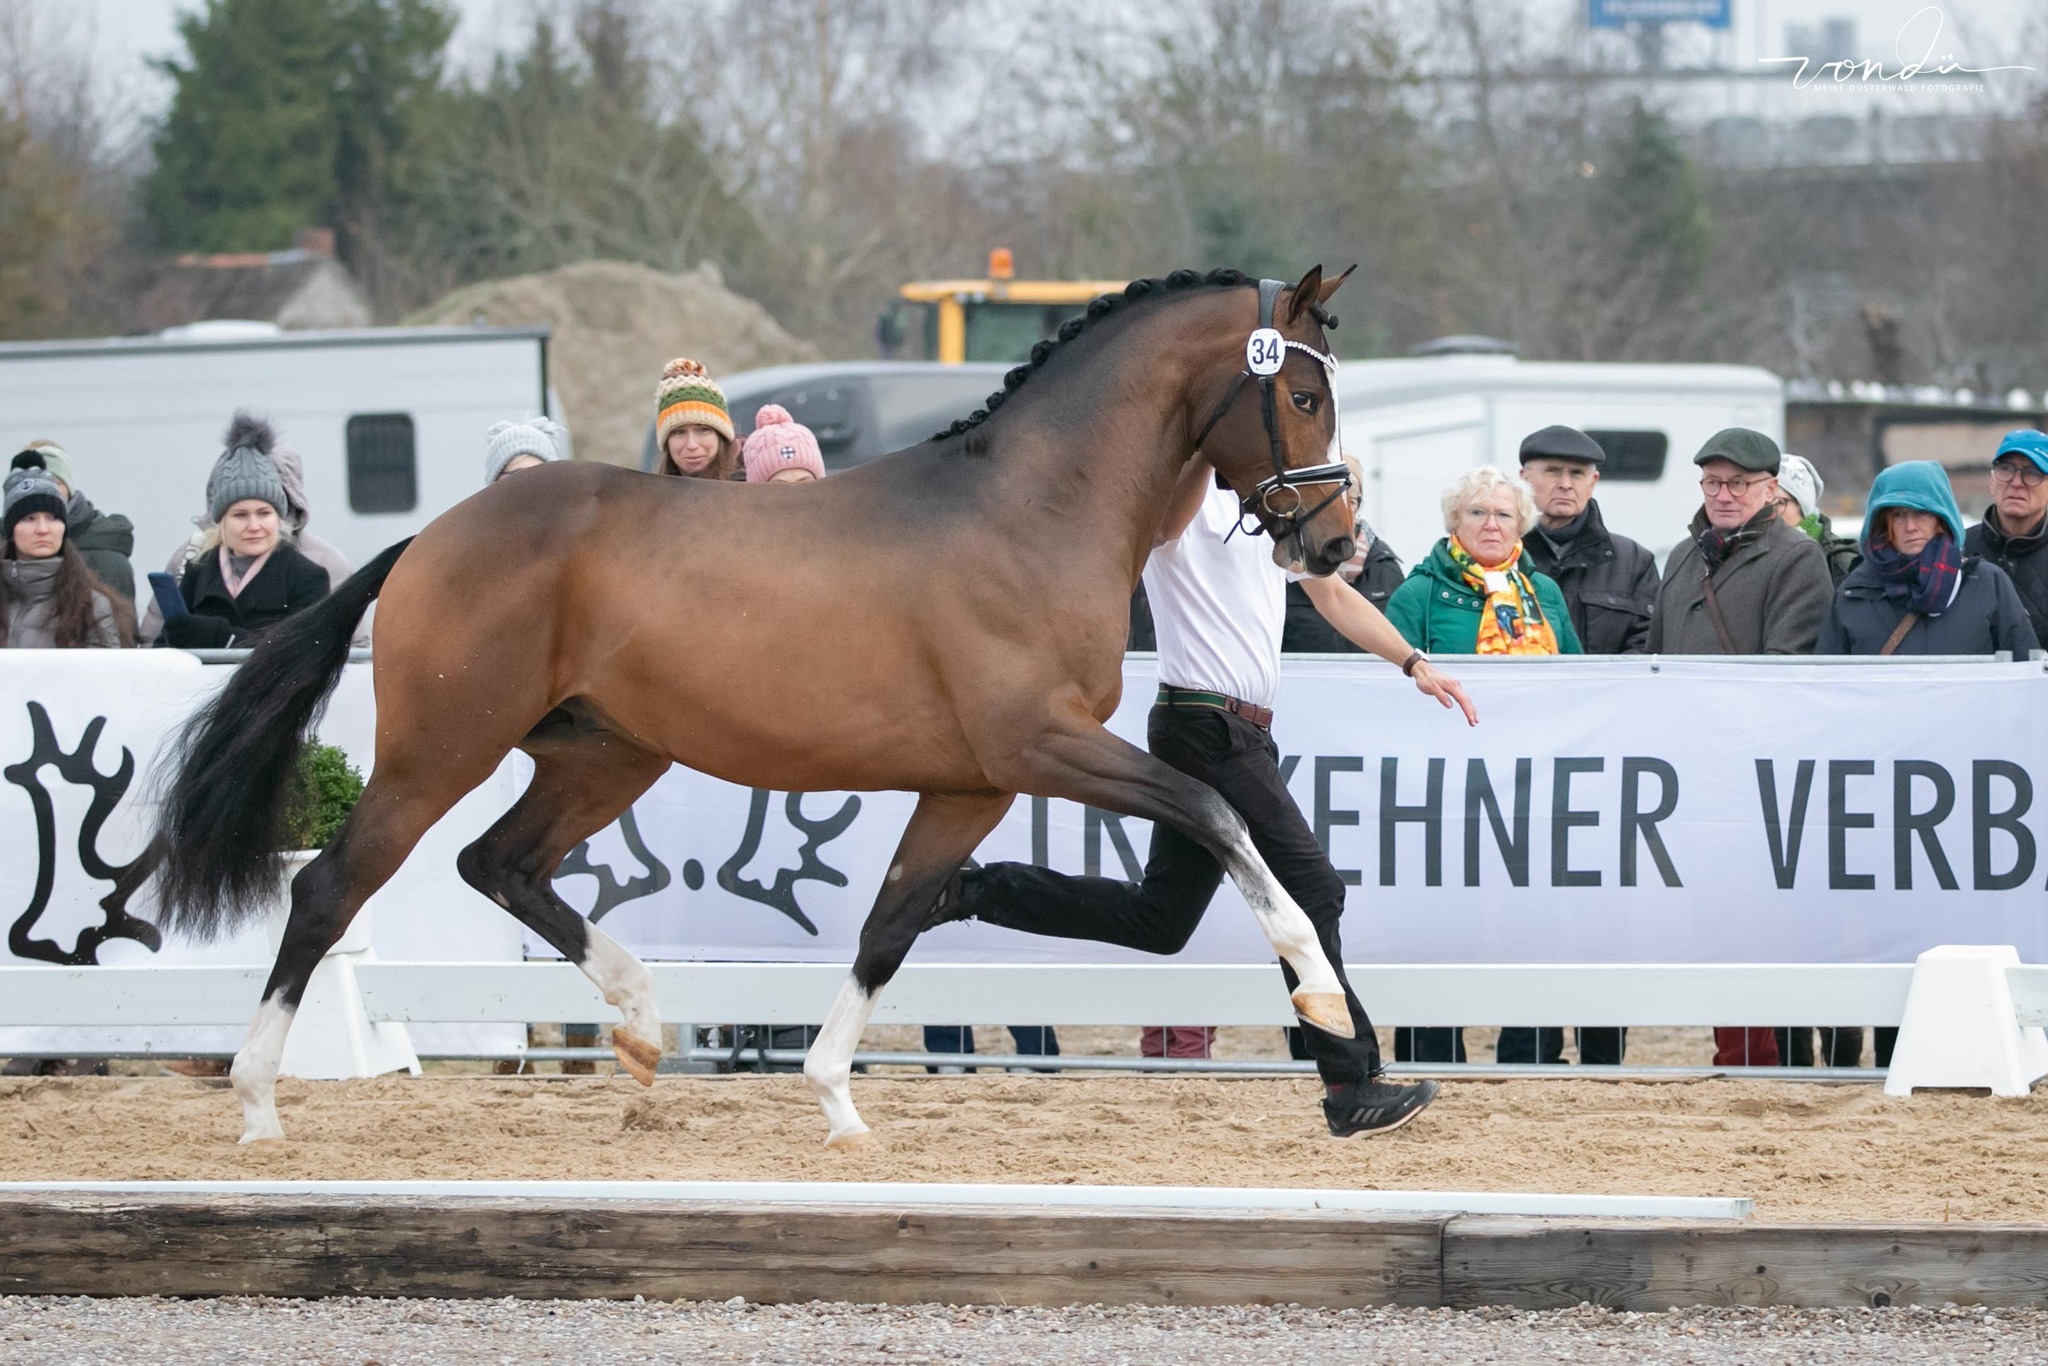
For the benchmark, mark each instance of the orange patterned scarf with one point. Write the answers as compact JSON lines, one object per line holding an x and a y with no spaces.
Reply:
{"x":1511,"y":622}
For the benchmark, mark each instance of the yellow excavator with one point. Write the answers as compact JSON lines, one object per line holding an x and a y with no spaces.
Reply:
{"x":997,"y":319}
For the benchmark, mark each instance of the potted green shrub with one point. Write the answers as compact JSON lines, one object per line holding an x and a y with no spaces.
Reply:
{"x":326,"y":790}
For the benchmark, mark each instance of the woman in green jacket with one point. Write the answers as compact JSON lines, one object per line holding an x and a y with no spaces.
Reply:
{"x":1477,"y":594}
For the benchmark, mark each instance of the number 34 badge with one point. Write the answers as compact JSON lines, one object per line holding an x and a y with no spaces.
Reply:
{"x":1265,"y":351}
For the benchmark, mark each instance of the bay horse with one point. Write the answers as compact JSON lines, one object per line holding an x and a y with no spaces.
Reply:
{"x":948,"y":620}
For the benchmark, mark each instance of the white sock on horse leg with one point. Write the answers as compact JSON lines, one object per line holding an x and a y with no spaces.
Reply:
{"x":828,"y":1068}
{"x":625,"y":982}
{"x":1287,"y":927}
{"x":254,"y":1073}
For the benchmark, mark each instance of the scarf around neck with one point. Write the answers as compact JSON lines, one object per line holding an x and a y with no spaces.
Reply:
{"x":236,"y":582}
{"x":1717,"y":545}
{"x":1566,"y":536}
{"x":1511,"y":622}
{"x":1928,"y":582}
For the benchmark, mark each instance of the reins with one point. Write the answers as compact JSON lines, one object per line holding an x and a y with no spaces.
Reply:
{"x":1265,"y":352}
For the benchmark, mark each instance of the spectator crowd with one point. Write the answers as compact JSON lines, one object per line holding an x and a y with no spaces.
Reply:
{"x":1527,"y":565}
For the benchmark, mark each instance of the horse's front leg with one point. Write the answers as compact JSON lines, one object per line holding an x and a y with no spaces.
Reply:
{"x":1076,"y":758}
{"x":943,"y":831}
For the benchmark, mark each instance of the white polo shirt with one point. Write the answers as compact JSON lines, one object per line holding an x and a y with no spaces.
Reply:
{"x":1218,"y":606}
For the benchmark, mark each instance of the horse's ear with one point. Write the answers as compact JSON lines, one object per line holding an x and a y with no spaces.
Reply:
{"x":1330,"y":287}
{"x":1304,"y":293}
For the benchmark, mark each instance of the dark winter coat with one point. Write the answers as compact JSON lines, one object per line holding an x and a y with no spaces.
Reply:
{"x":2024,"y":560}
{"x":1986,"y":616}
{"x":287,"y":583}
{"x":1773,"y":590}
{"x":1609,"y":584}
{"x":1307,"y":633}
{"x":106,"y":540}
{"x":1842,"y":552}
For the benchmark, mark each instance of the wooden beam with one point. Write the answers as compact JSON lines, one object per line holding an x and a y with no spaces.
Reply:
{"x":616,"y":1249}
{"x":1655,"y":1265}
{"x":488,"y":1247}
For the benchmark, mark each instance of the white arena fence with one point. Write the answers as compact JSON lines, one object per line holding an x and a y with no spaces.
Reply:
{"x":1646,"y":820}
{"x":1976,"y":1014}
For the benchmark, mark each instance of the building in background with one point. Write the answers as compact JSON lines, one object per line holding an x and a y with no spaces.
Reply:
{"x":301,"y":289}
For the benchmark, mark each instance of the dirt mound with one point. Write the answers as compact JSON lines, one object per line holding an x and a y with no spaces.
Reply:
{"x":615,"y":323}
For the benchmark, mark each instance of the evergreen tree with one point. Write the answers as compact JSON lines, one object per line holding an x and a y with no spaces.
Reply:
{"x":569,"y":153}
{"x":287,"y":113}
{"x":1654,"y":214}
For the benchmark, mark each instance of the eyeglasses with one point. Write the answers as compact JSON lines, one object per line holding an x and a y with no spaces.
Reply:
{"x":2028,"y":475}
{"x":1712,"y":486}
{"x":1483,"y":515}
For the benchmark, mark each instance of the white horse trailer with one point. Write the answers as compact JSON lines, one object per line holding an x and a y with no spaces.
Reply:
{"x":389,"y":421}
{"x":1416,"y":425}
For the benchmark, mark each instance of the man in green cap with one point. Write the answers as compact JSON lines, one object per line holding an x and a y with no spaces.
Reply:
{"x":1745,"y":583}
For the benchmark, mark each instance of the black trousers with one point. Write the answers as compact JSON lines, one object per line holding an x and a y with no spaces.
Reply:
{"x":1160,"y":914}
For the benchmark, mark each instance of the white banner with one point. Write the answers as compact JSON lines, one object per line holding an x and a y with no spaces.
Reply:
{"x":1613,"y":810}
{"x":80,"y":734}
{"x":1622,"y":810}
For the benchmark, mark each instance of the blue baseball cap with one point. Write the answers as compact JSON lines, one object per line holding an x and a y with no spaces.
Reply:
{"x":2026,"y":441}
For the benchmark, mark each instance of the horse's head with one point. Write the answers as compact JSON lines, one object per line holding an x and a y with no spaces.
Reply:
{"x":1272,"y":434}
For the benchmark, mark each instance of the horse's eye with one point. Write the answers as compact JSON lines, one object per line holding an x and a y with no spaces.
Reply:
{"x":1305,"y":401}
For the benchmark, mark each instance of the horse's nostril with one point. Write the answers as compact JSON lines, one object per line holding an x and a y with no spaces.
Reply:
{"x":1337,"y":551}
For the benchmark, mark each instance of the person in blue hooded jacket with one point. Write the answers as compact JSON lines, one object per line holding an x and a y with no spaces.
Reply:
{"x":1916,"y":592}
{"x":1914,"y":575}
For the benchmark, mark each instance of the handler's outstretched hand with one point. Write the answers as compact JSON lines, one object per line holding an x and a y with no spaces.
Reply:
{"x":1445,"y":689}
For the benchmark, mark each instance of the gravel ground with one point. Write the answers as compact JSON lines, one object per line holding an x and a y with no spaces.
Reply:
{"x":358,"y":1332}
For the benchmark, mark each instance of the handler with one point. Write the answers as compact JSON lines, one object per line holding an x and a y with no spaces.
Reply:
{"x":1218,"y":602}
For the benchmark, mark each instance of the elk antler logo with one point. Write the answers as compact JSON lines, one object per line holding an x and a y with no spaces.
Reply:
{"x":77,"y":767}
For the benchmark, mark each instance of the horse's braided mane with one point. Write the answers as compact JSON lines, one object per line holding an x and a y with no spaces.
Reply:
{"x":1095,"y":312}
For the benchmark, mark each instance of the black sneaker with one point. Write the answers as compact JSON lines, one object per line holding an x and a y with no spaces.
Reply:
{"x":1375,"y":1107}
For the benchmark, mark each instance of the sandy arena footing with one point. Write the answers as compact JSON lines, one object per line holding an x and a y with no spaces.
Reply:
{"x":1851,"y":1191}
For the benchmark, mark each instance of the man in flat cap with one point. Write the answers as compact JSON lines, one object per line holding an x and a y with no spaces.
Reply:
{"x":1609,"y":581}
{"x":1610,"y":587}
{"x":1744,"y":583}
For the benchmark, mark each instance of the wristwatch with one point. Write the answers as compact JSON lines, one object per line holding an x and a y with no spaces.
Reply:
{"x":1408,"y":664}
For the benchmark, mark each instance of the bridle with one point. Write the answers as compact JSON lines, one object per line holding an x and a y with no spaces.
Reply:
{"x":1265,"y":351}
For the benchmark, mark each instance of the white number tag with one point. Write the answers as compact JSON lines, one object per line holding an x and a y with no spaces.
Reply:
{"x":1264,"y":352}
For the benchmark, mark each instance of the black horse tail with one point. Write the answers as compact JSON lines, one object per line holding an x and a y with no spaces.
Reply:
{"x":229,"y":770}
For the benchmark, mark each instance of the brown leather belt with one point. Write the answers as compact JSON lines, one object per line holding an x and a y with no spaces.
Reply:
{"x":1170,"y":696}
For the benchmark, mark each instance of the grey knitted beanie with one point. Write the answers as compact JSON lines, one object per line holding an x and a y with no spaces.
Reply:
{"x":30,"y":489}
{"x":507,"y":441}
{"x":245,"y":469}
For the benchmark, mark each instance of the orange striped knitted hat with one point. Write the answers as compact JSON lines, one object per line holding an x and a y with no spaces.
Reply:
{"x":687,"y":395}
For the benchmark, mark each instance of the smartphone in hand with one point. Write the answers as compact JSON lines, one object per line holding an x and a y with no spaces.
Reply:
{"x":169,"y":601}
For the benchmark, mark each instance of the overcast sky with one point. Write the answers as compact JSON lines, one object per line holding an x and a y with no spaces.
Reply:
{"x":123,"y":34}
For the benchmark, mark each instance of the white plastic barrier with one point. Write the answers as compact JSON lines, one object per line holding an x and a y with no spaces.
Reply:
{"x":1969,"y":1016}
{"x":1964,"y":1026}
{"x":336,"y":1040}
{"x":940,"y":993}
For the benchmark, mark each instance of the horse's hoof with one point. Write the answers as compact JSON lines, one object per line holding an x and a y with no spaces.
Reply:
{"x":262,"y":1130}
{"x":636,"y":1055}
{"x":854,"y":1141}
{"x":1326,"y":1010}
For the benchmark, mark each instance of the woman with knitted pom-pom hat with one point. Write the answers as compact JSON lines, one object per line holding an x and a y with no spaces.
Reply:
{"x":781,"y":450}
{"x":692,"y":427}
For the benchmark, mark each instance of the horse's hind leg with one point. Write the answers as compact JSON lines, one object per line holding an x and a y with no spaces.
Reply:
{"x":400,"y":802}
{"x":1083,"y":762}
{"x":943,"y":831}
{"x":582,"y":780}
